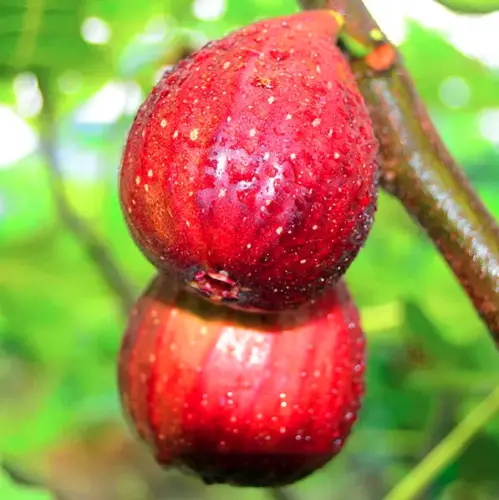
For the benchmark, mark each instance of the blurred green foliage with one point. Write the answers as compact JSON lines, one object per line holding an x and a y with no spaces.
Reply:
{"x":430,"y":358}
{"x":9,"y":489}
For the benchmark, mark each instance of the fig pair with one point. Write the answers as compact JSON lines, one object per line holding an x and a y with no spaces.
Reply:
{"x":249,"y":179}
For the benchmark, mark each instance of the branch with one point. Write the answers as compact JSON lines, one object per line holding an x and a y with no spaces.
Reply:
{"x":416,"y":166}
{"x":95,"y":248}
{"x":90,"y":242}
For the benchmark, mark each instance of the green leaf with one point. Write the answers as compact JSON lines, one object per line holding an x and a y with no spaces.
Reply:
{"x":9,"y":490}
{"x":424,"y":336}
{"x":447,"y":61}
{"x":43,"y":34}
{"x":38,"y":34}
{"x":475,"y":149}
{"x":24,"y":215}
{"x":479,"y":462}
{"x":471,"y":6}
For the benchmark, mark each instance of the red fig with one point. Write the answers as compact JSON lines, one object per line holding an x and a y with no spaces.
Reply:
{"x":242,"y":398}
{"x":250,"y":169}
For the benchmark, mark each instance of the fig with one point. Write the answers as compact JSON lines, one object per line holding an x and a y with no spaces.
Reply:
{"x":250,"y":170}
{"x":241,"y":398}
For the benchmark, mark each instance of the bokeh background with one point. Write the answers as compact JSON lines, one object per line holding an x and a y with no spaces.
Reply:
{"x":72,"y":75}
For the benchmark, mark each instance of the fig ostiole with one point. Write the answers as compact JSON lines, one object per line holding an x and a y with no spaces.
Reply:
{"x":239,"y":398}
{"x":250,"y":170}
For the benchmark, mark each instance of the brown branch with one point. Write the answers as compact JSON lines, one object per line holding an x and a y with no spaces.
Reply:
{"x":89,"y":241}
{"x":418,"y":169}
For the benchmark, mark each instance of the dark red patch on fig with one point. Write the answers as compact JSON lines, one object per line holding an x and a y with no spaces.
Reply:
{"x":254,"y":158}
{"x":242,"y":398}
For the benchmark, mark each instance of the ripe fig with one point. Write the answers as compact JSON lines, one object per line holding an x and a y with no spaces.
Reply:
{"x":250,"y":169}
{"x":242,"y":398}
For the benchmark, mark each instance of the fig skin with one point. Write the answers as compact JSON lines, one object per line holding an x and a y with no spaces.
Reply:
{"x":250,"y":169}
{"x":244,"y":399}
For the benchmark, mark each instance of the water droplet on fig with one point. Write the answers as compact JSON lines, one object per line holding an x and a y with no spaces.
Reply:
{"x":279,"y":55}
{"x":337,"y":443}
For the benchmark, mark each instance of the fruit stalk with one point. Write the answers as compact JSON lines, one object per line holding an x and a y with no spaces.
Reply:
{"x":418,"y":169}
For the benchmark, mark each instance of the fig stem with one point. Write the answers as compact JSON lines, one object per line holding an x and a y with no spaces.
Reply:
{"x":417,"y":168}
{"x":352,"y":46}
{"x":92,"y":245}
{"x":447,"y":450}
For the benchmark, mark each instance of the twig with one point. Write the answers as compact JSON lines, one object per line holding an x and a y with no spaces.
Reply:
{"x":89,"y":241}
{"x":440,"y":423}
{"x":95,"y":249}
{"x":447,"y":450}
{"x":418,"y":169}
